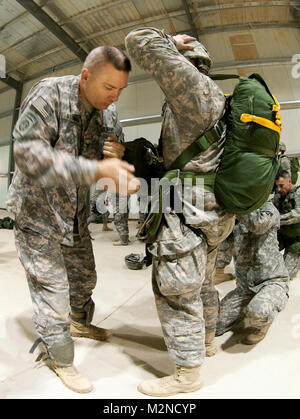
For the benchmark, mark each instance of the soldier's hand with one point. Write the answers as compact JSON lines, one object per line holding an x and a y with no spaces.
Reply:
{"x":181,"y":42}
{"x":117,"y":176}
{"x":112,"y":148}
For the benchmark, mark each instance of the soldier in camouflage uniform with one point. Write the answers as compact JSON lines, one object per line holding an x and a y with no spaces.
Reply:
{"x":262,"y":279}
{"x":287,"y":201}
{"x":183,"y":258}
{"x":60,"y":136}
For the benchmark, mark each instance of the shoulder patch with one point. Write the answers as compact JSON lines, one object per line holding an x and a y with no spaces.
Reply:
{"x":26,"y":123}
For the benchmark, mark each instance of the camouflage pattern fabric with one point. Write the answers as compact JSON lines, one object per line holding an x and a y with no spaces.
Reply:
{"x":97,"y":201}
{"x":184,"y":257}
{"x":289,"y":209}
{"x":292,"y":263}
{"x":261,"y":276}
{"x":60,"y":278}
{"x":225,"y":252}
{"x":121,"y":213}
{"x":57,"y":143}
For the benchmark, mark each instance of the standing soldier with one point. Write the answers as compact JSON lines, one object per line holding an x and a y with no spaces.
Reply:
{"x":287,"y":201}
{"x":58,"y":142}
{"x":184,"y":257}
{"x":262,"y":279}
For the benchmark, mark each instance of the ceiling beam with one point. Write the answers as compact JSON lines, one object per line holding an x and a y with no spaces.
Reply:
{"x":190,"y":18}
{"x":11,"y":82}
{"x":53,"y":27}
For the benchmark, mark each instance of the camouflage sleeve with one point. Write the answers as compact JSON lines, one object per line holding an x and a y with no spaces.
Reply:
{"x":35,"y":134}
{"x":111,"y":120}
{"x":261,"y":220}
{"x":293,"y":216}
{"x":196,"y":101}
{"x":119,"y":131}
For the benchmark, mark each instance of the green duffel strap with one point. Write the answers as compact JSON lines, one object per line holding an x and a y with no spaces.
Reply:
{"x":223,"y":76}
{"x":199,"y":145}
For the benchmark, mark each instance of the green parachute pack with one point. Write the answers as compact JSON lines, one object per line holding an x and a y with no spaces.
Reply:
{"x":249,"y":163}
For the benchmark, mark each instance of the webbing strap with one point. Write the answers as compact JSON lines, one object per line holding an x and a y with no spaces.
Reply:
{"x":201,"y":144}
{"x":33,"y":348}
{"x":246,"y":117}
{"x":223,"y":76}
{"x":195,"y":148}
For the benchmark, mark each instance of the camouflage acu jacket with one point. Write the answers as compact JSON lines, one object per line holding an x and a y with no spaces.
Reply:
{"x":288,"y":206}
{"x":56,"y":147}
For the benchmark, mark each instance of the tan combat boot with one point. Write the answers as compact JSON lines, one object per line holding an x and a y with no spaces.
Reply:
{"x":255,"y":335}
{"x":120,"y":243}
{"x":106,"y":228}
{"x":184,"y":380}
{"x":210,"y":345}
{"x":80,"y":330}
{"x":72,"y":379}
{"x":220,"y":276}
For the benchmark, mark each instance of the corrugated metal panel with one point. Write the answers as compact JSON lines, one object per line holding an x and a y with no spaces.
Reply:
{"x":30,"y":48}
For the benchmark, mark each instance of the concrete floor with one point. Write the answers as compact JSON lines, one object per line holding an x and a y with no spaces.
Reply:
{"x":125,"y":304}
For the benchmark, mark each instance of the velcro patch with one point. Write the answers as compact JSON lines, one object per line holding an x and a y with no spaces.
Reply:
{"x":42,"y":107}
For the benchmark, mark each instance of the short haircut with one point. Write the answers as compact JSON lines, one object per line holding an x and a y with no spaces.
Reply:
{"x":106,"y":54}
{"x":284,"y":174}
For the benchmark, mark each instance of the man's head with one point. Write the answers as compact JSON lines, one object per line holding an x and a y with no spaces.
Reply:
{"x":283,"y":183}
{"x":104,"y":75}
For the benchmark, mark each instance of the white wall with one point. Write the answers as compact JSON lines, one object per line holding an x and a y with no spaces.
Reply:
{"x":138,"y":100}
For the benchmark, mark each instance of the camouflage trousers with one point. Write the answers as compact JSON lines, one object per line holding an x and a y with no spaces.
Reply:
{"x":292,"y":263}
{"x":257,"y":309}
{"x":225,"y":252}
{"x":185,"y":295}
{"x":121,"y":217}
{"x":60,"y":278}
